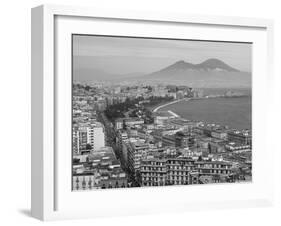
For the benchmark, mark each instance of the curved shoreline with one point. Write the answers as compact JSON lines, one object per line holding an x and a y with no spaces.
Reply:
{"x":245,"y":121}
{"x":167,"y":104}
{"x":173,"y":114}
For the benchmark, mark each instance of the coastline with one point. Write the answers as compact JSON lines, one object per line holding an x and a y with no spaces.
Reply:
{"x":173,"y":114}
{"x":227,"y":119}
{"x":169,"y":103}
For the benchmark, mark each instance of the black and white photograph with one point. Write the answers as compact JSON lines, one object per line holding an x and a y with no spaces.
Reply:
{"x":143,"y":112}
{"x":160,"y":112}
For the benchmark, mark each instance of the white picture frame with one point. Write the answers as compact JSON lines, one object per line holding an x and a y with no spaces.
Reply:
{"x":51,"y":198}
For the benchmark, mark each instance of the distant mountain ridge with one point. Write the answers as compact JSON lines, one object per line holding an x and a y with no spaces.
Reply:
{"x":212,"y":73}
{"x":210,"y":64}
{"x":215,"y":63}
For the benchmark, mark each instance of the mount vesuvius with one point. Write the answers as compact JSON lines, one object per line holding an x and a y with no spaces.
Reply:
{"x":212,"y":73}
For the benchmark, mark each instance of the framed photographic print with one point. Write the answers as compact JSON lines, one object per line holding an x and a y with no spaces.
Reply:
{"x":137,"y":112}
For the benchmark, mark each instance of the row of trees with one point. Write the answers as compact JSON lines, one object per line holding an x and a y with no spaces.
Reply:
{"x":118,"y":110}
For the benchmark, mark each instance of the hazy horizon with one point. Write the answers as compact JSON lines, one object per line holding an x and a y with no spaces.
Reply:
{"x":122,"y":55}
{"x":119,"y":59}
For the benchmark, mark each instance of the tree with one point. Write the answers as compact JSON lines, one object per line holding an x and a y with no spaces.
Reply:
{"x":87,"y":88}
{"x":209,"y":148}
{"x":75,"y":160}
{"x":88,"y":147}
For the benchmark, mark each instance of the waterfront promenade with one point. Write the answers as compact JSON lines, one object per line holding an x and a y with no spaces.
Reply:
{"x":167,"y":104}
{"x":174,"y":114}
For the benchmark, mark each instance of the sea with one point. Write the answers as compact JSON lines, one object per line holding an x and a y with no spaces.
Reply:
{"x":235,"y":112}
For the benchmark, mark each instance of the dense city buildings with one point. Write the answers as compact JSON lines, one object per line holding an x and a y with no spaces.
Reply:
{"x":99,"y":169}
{"x":88,"y":136}
{"x":122,"y":137}
{"x":242,"y":137}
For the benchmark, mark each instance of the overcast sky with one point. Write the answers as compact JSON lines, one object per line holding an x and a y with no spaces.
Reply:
{"x":120,"y":55}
